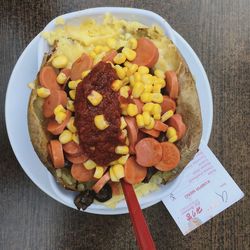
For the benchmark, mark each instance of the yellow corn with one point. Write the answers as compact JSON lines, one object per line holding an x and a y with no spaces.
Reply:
{"x":151,"y":124}
{"x":112,"y":43}
{"x":157,"y":97}
{"x":159,"y":73}
{"x":70,"y":125}
{"x":112,"y":175}
{"x":143,"y":70}
{"x":98,"y":49}
{"x":116,"y":85}
{"x":146,"y":97}
{"x":72,"y":94}
{"x":125,"y":81}
{"x":85,"y":73}
{"x":132,"y":109}
{"x":73,"y":84}
{"x":132,"y":69}
{"x":173,"y":139}
{"x":167,"y":115}
{"x":70,"y":105}
{"x":148,"y":107}
{"x":65,"y":136}
{"x":137,"y":76}
{"x":105,"y":48}
{"x":92,"y":54}
{"x":123,"y":123}
{"x":118,"y":171}
{"x":120,"y":58}
{"x":157,"y":88}
{"x":60,"y":117}
{"x":94,"y":98}
{"x":124,"y":133}
{"x":129,"y":53}
{"x":75,"y":138}
{"x":147,"y":79}
{"x":99,"y":171}
{"x":137,"y":90}
{"x":120,"y":72}
{"x":61,"y":78}
{"x":132,"y":81}
{"x":127,"y":141}
{"x":161,"y":81}
{"x":146,"y":118}
{"x":132,"y":43}
{"x":148,"y":88}
{"x":124,"y":91}
{"x":43,"y":92}
{"x":121,"y":150}
{"x":31,"y":85}
{"x":60,"y":62}
{"x":122,"y":160}
{"x":113,"y":162}
{"x":59,"y":108}
{"x":140,"y":121}
{"x":156,"y":112}
{"x":89,"y":164}
{"x":170,"y":132}
{"x":100,"y":122}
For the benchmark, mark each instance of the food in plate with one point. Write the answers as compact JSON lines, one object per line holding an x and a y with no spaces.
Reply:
{"x":113,"y":100}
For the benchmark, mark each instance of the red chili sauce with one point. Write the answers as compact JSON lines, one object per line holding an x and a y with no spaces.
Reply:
{"x":98,"y":145}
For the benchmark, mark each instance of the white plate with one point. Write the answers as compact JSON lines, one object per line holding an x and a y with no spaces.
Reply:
{"x":17,"y":98}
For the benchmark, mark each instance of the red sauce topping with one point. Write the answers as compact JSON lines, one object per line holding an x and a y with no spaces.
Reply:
{"x":98,"y":145}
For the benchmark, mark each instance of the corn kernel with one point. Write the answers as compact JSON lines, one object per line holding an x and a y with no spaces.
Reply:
{"x":70,"y":125}
{"x":147,"y":79}
{"x":95,"y":98}
{"x":156,"y":109}
{"x":112,"y":43}
{"x":73,"y":84}
{"x":132,"y":81}
{"x":159,"y":73}
{"x":167,"y":115}
{"x":171,"y":131}
{"x":124,"y":91}
{"x":132,"y":109}
{"x":75,"y":138}
{"x":113,"y":162}
{"x":173,"y":139}
{"x":70,"y":105}
{"x":85,"y":73}
{"x":118,"y":171}
{"x":148,"y":88}
{"x":120,"y":72}
{"x":112,"y":175}
{"x":137,"y":76}
{"x":157,"y":97}
{"x":148,"y":107}
{"x":89,"y":164}
{"x":146,"y":118}
{"x":161,"y":82}
{"x":132,"y":43}
{"x":61,"y":78}
{"x":116,"y":85}
{"x":122,"y":160}
{"x":125,"y":81}
{"x":127,"y":141}
{"x":99,"y":171}
{"x":65,"y":136}
{"x":121,"y":150}
{"x":137,"y":89}
{"x":123,"y":123}
{"x":31,"y":85}
{"x":100,"y":122}
{"x":157,"y":88}
{"x":59,"y":108}
{"x":105,"y":48}
{"x":98,"y":49}
{"x":129,"y":53}
{"x":124,"y":133}
{"x":43,"y":92}
{"x":60,"y":61}
{"x":92,"y":54}
{"x":140,"y":121}
{"x":132,"y":69}
{"x":60,"y":117}
{"x":72,"y":94}
{"x":146,"y":97}
{"x":143,"y":70}
{"x":151,"y":124}
{"x":120,"y":58}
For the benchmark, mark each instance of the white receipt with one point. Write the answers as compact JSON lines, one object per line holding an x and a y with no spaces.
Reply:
{"x":201,"y":191}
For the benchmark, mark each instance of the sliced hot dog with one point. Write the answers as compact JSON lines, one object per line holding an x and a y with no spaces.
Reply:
{"x":139,"y":104}
{"x":134,"y":173}
{"x":47,"y":78}
{"x":77,"y":159}
{"x":177,"y":122}
{"x":170,"y":157}
{"x":148,"y":152}
{"x":109,"y":56}
{"x":83,"y":63}
{"x":160,"y":126}
{"x":55,"y":98}
{"x":56,"y":153}
{"x":101,"y":182}
{"x":72,"y":149}
{"x":153,"y":132}
{"x":55,"y":128}
{"x":132,"y":133}
{"x":167,"y":104}
{"x":147,"y":53}
{"x":80,"y":173}
{"x":172,"y":84}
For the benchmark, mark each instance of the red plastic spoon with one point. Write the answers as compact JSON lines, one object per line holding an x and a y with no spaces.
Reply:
{"x":142,"y":233}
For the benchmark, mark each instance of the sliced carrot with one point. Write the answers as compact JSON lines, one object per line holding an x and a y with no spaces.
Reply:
{"x":139,"y":104}
{"x":172,"y":84}
{"x":80,"y":173}
{"x":177,"y":122}
{"x":160,"y":126}
{"x":167,"y":104}
{"x":170,"y":157}
{"x":148,"y":152}
{"x":109,"y":56}
{"x":101,"y":182}
{"x":55,"y":128}
{"x":132,"y":133}
{"x":134,"y":173}
{"x":147,"y":53}
{"x":73,"y":149}
{"x":56,"y":152}
{"x":55,"y":98}
{"x":83,"y":63}
{"x":153,"y":132}
{"x":76,"y":159}
{"x":47,"y":78}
